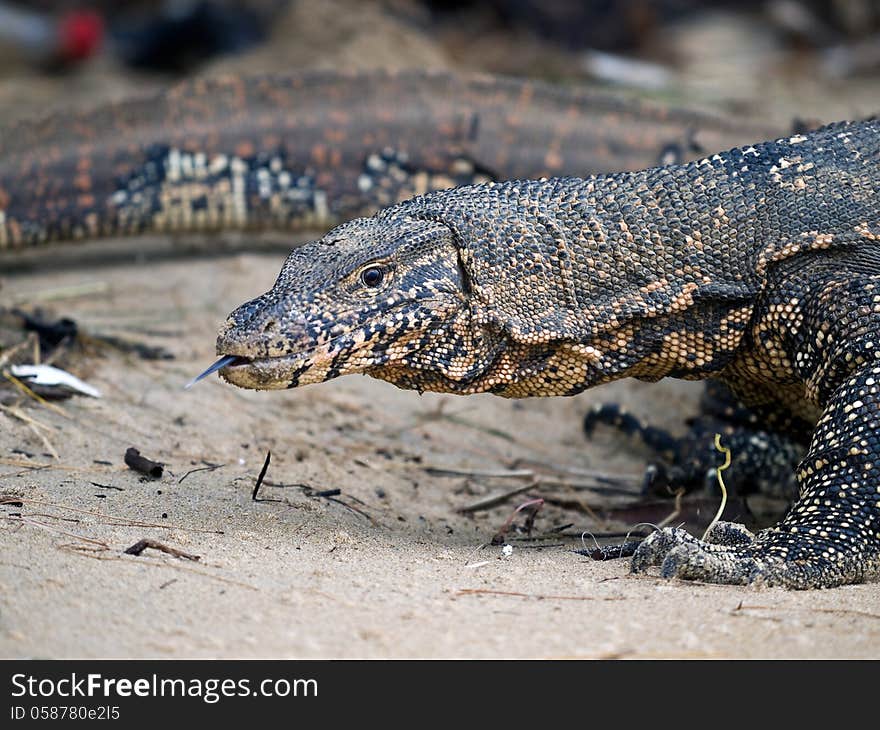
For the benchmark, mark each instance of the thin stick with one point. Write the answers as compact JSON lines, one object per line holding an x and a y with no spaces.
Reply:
{"x":52,"y":528}
{"x":438,"y":471}
{"x":28,"y":392}
{"x":210,"y":467}
{"x":19,"y":473}
{"x":601,"y":478}
{"x":79,"y":550}
{"x":726,"y":452}
{"x":679,"y":493}
{"x":37,"y":465}
{"x":351,"y":508}
{"x":120,"y":521}
{"x":514,"y":594}
{"x":495,"y":499}
{"x":48,"y":444}
{"x":8,"y":354}
{"x":584,"y":506}
{"x":833,"y":611}
{"x":142,"y":545}
{"x":16,"y":413}
{"x":262,"y":474}
{"x":533,"y":504}
{"x":34,"y":425}
{"x":574,"y":470}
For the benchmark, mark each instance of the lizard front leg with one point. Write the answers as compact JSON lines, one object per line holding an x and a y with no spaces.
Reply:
{"x":830,"y":537}
{"x":763,"y":460}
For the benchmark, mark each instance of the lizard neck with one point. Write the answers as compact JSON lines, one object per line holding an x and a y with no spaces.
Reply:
{"x":591,"y":280}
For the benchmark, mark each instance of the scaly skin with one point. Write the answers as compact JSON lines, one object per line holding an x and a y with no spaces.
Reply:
{"x":759,"y":267}
{"x":309,"y":150}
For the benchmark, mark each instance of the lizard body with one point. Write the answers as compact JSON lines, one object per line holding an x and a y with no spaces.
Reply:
{"x":759,"y":267}
{"x":308,"y":150}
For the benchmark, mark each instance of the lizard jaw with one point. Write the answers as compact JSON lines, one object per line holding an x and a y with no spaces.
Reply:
{"x":277,"y":372}
{"x":264,"y":373}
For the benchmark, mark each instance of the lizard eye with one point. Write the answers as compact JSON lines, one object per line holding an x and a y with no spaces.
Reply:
{"x":372,"y":276}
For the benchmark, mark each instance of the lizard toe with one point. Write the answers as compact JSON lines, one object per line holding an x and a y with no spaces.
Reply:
{"x":731,"y":534}
{"x":654,"y":548}
{"x":726,"y":555}
{"x":695,"y":561}
{"x":733,"y":557}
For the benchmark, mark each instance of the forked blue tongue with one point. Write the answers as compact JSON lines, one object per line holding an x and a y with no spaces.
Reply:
{"x":221,"y":363}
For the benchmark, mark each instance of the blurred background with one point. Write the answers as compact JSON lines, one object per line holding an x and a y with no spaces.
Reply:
{"x":775,"y":59}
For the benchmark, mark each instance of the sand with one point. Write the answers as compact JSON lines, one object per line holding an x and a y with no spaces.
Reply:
{"x":301,"y":576}
{"x":394,"y":568}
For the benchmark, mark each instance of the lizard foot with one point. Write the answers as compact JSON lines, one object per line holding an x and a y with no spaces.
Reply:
{"x":732,"y":555}
{"x":763,"y":461}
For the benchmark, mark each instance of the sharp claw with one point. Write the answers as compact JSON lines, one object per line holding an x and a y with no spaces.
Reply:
{"x":681,"y":555}
{"x":655,"y":547}
{"x":692,"y":561}
{"x":685,"y":562}
{"x":734,"y":556}
{"x":729,"y":533}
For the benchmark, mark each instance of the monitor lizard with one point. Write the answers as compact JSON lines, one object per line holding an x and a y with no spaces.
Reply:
{"x":307,"y":150}
{"x":758,"y":267}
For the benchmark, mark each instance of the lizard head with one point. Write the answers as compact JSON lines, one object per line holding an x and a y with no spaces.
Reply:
{"x":372,"y":296}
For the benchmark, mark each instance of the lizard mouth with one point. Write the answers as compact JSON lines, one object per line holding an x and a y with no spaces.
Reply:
{"x":256,"y":373}
{"x":226,"y":362}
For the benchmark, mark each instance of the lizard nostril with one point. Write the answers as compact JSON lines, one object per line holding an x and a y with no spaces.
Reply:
{"x":271,"y":327}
